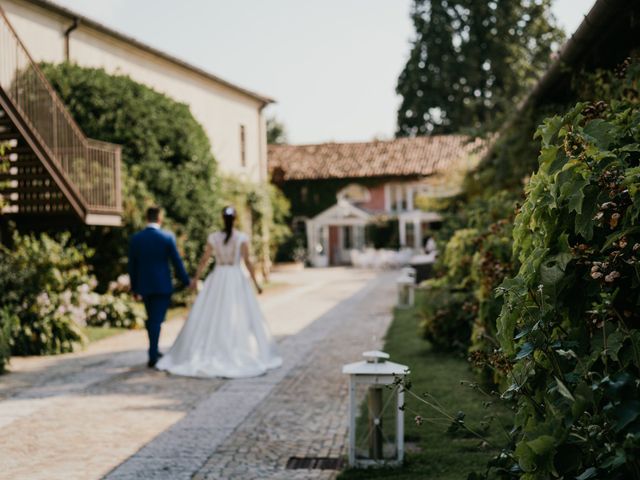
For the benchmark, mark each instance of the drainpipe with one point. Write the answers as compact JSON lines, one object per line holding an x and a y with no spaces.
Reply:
{"x":265,"y":254}
{"x":264,"y":167}
{"x":67,"y":33}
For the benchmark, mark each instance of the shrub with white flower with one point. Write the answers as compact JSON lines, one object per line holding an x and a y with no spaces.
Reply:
{"x":44,"y":285}
{"x":116,"y":308}
{"x":47,"y":294}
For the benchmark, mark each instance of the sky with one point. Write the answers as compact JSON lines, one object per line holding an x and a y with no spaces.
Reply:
{"x":331,"y":65}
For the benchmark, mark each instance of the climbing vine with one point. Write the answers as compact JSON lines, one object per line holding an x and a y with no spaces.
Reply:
{"x":263,"y":211}
{"x":460,"y":308}
{"x":570,"y":319}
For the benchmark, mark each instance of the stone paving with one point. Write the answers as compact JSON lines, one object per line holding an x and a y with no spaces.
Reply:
{"x":306,"y":414}
{"x":101,"y":413}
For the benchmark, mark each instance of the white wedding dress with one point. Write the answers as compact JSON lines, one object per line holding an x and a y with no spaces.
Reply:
{"x":225,"y":334}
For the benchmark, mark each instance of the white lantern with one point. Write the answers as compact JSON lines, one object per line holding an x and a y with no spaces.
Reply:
{"x":408,"y":272}
{"x":371,"y":442}
{"x":406,"y":291}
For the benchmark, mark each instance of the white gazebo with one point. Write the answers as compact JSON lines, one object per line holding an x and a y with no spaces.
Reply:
{"x":332,"y":234}
{"x":410,"y":224}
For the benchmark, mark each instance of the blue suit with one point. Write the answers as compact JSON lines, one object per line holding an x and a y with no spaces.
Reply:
{"x":150,"y":253}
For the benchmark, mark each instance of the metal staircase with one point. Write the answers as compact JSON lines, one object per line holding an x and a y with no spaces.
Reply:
{"x":54,"y":171}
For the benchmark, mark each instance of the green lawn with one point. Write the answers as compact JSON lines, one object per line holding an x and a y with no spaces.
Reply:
{"x":94,"y":334}
{"x":177,"y":312}
{"x":98,"y":333}
{"x":436,"y":454}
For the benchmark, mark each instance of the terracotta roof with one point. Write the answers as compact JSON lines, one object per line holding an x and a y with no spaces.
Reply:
{"x":418,"y":156}
{"x":92,"y":24}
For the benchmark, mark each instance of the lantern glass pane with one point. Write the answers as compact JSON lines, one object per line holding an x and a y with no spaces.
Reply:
{"x":376,"y":440}
{"x":403,"y":294}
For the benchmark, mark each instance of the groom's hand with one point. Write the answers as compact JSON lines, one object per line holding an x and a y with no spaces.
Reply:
{"x":137,"y":297}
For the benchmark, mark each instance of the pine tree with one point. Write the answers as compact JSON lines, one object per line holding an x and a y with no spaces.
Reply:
{"x":471,"y":61}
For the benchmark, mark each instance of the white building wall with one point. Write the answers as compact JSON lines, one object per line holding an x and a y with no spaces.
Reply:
{"x":220,"y":109}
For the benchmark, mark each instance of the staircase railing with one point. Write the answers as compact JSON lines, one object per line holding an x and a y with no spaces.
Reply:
{"x":92,"y":167}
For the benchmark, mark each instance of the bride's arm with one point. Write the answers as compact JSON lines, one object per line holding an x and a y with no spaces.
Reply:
{"x":244,"y":250}
{"x":202,"y":265}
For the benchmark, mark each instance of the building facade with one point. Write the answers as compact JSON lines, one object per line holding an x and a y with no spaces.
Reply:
{"x":338,"y":190}
{"x":231,"y":115}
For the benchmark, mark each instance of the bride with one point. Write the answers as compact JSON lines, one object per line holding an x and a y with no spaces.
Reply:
{"x":225,"y":334}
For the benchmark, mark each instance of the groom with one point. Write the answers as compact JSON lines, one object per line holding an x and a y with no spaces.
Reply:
{"x":150,"y":253}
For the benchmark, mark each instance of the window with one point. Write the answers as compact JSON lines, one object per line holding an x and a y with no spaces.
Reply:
{"x":358,"y":240}
{"x":243,"y":146}
{"x":398,"y":194}
{"x":411,"y":234}
{"x":355,"y":193}
{"x":347,"y":242}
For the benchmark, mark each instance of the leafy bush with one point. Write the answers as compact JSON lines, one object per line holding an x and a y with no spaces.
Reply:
{"x":571,"y":314}
{"x":458,"y":256}
{"x":115,"y":311}
{"x":42,"y":283}
{"x":263,"y":211}
{"x":293,"y":249}
{"x":476,"y":260}
{"x":166,"y":159}
{"x":383,"y":233}
{"x":446,"y":316}
{"x":278,"y":223}
{"x":115,"y":308}
{"x":491,"y":263}
{"x":47,"y":295}
{"x":449,"y":307}
{"x":6,"y":326}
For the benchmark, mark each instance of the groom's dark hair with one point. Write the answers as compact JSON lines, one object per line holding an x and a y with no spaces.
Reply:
{"x":153,"y":214}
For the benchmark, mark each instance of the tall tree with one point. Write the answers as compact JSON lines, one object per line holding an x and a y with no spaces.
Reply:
{"x":276,"y":132}
{"x":471,"y":60}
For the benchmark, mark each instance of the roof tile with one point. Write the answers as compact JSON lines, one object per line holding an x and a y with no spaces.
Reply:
{"x":417,"y":156}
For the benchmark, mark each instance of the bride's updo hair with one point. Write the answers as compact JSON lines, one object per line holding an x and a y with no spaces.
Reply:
{"x":229,"y":217}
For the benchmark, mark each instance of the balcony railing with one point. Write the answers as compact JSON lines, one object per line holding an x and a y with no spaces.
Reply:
{"x":91,"y":168}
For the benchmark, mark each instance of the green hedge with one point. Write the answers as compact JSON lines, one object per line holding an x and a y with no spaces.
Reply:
{"x":166,"y":157}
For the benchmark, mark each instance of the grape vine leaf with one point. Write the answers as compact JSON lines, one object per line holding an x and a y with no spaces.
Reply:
{"x":625,"y":413}
{"x":563,"y":390}
{"x":590,"y":472}
{"x":542,"y":445}
{"x":525,"y":351}
{"x":550,"y":128}
{"x":552,"y":269}
{"x":574,"y":192}
{"x":584,"y":219}
{"x":600,"y":133}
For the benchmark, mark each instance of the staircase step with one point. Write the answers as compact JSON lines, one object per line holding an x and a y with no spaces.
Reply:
{"x":49,"y":163}
{"x":21,"y":191}
{"x":24,"y":176}
{"x":26,"y":163}
{"x":39,"y":204}
{"x":21,"y":150}
{"x":27,"y":166}
{"x":10,"y":136}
